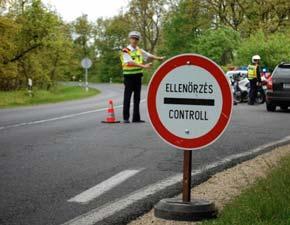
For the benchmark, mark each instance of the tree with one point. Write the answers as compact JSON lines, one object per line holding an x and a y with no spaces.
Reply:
{"x":111,"y":35}
{"x":82,"y":29}
{"x":33,"y":46}
{"x":272,"y":48}
{"x":219,"y":45}
{"x":35,"y":43}
{"x":182,"y":26}
{"x":270,"y":16}
{"x":227,"y":12}
{"x":248,"y":16}
{"x":146,"y":17}
{"x":8,"y":73}
{"x":38,"y":34}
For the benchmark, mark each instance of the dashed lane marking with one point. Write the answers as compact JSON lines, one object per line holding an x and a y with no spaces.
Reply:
{"x":96,"y":191}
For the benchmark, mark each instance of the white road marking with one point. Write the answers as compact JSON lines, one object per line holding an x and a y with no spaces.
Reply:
{"x":99,"y":214}
{"x":103,"y":212}
{"x":96,"y":191}
{"x":59,"y":118}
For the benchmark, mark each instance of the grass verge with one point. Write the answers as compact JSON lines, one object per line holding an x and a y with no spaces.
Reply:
{"x":265,"y":203}
{"x":58,"y":94}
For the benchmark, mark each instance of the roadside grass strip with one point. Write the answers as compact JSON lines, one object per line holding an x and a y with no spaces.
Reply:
{"x":58,"y":94}
{"x":267,"y":202}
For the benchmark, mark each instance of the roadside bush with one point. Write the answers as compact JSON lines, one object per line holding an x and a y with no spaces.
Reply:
{"x":219,"y":45}
{"x":273,"y":49}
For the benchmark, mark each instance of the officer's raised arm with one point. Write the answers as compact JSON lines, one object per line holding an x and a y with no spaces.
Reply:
{"x":128,"y":60}
{"x":148,"y":55}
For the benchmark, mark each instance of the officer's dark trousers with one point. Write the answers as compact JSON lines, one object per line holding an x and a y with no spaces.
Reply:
{"x":253,"y":91}
{"x":133,"y":84}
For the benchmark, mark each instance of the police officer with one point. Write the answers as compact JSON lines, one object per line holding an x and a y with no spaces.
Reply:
{"x":133,"y":61}
{"x":254,"y":77}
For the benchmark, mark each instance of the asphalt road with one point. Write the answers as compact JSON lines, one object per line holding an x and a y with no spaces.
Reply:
{"x":50,"y":154}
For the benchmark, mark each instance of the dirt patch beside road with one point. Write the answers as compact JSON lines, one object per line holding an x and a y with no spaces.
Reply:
{"x":223,"y":187}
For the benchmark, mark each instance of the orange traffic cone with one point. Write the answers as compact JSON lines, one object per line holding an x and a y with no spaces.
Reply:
{"x":111,"y":114}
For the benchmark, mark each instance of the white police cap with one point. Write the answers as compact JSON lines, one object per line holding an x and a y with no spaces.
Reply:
{"x":135,"y":34}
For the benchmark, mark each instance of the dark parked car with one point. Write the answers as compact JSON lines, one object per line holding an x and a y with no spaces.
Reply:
{"x":278,"y":92}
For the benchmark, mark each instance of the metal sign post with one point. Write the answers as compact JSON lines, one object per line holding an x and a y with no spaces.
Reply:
{"x":189,"y":106}
{"x":86,"y":64}
{"x":86,"y":79}
{"x":187,"y":164}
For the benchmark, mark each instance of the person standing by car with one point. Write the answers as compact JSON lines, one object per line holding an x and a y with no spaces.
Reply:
{"x":254,"y":77}
{"x":133,"y":59}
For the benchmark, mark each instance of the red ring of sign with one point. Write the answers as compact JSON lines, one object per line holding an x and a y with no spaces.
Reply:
{"x":217,"y":130}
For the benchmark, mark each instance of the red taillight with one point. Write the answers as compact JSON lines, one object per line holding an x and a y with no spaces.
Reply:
{"x":270,"y":84}
{"x":264,"y":82}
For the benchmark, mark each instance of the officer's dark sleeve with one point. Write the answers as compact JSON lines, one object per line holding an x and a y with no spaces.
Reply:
{"x":258,"y":73}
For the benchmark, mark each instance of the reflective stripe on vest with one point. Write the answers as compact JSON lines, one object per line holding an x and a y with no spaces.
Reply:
{"x":137,"y":57}
{"x":252,"y":72}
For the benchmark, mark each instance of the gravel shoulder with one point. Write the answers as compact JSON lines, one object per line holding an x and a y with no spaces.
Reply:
{"x":225,"y":186}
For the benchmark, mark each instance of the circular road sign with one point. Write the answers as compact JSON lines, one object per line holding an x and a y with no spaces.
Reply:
{"x":86,"y":63}
{"x":189,"y":101}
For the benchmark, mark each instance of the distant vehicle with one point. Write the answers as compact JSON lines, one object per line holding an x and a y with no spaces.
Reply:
{"x":240,"y":87}
{"x":261,"y":92}
{"x":230,"y":74}
{"x":231,"y":85}
{"x":278,"y":88}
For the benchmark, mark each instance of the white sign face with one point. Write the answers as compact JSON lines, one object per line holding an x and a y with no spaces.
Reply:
{"x":189,"y":101}
{"x":86,"y":63}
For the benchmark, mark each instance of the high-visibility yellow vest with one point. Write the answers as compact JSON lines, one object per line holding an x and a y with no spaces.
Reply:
{"x":252,"y":72}
{"x":137,"y":57}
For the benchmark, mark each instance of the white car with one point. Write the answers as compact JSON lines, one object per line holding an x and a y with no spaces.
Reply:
{"x":230,"y":78}
{"x":231,"y":73}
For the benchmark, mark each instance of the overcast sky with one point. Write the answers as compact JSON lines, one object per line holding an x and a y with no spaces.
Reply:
{"x":71,"y":9}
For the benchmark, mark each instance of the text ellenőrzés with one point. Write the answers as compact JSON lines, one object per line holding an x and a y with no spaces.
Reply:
{"x":190,"y":87}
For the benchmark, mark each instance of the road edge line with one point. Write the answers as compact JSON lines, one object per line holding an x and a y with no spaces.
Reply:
{"x":68,"y":116}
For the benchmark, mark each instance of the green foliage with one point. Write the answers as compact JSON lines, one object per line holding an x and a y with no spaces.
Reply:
{"x":273,"y":49}
{"x":219,"y":45}
{"x":35,"y":42}
{"x":8,"y":73}
{"x":110,"y":67}
{"x":228,"y":31}
{"x":181,"y":28}
{"x":81,"y":31}
{"x":82,"y":28}
{"x":146,"y":16}
{"x":188,"y":29}
{"x":266,"y":203}
{"x":110,"y":37}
